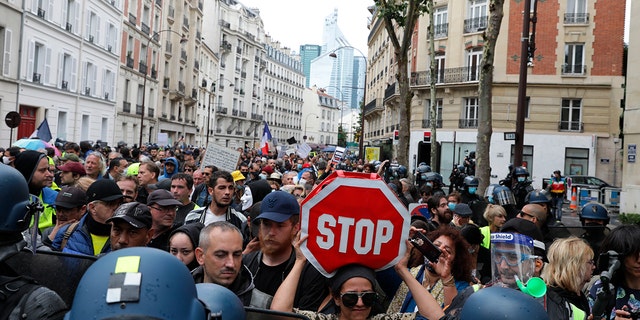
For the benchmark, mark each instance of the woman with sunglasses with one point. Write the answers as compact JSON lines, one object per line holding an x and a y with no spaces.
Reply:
{"x":353,"y":291}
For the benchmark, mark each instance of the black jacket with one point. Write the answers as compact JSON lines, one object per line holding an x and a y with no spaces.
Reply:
{"x":242,"y":286}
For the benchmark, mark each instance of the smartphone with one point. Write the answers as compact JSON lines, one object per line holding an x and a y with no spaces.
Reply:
{"x":428,"y":249}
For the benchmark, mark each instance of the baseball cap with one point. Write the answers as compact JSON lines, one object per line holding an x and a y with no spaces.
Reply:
{"x":275,"y":176}
{"x":70,"y":157}
{"x":463,"y":210}
{"x":103,"y":190}
{"x":267,"y":169}
{"x":75,"y":167}
{"x":134,"y":213}
{"x":278,"y":206}
{"x":163,"y":198}
{"x":237,"y":175}
{"x":71,"y":197}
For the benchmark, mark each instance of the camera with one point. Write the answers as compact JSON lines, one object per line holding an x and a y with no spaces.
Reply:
{"x":426,"y":247}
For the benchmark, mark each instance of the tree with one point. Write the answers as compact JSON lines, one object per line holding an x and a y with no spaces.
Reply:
{"x":402,"y":15}
{"x":485,"y":93}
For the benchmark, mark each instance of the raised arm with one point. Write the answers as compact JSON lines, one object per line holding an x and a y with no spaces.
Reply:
{"x":283,"y":299}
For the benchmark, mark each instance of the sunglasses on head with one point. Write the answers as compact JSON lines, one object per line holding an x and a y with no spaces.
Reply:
{"x":350,"y":299}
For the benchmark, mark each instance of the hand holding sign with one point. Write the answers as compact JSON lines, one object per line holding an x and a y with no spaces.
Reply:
{"x":353,"y":218}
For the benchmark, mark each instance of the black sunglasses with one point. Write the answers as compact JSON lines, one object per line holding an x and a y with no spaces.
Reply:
{"x":350,"y":299}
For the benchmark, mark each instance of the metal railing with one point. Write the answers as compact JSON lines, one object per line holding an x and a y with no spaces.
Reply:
{"x":576,"y":18}
{"x":468,"y":123}
{"x":475,"y":24}
{"x":572,"y":126}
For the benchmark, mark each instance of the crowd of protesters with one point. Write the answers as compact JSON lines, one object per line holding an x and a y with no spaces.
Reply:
{"x":240,"y":229}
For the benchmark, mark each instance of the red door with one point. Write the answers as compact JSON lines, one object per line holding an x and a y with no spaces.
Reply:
{"x":28,"y":123}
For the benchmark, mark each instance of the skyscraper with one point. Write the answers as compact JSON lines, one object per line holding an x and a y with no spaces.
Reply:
{"x":308,"y":52}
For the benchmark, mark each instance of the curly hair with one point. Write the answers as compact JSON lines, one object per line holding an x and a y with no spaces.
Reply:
{"x":461,"y":265}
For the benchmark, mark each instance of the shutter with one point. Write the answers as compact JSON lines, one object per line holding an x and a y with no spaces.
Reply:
{"x":63,"y":20}
{"x":49,"y":14}
{"x":87,"y":26}
{"x":76,"y":18}
{"x":112,"y":84}
{"x":6,"y":56}
{"x":83,"y":84}
{"x":104,"y":82}
{"x":61,"y":70}
{"x":97,"y":35}
{"x":94,"y":76}
{"x":73,"y":81}
{"x":47,"y":67}
{"x":34,"y":6}
{"x":108,"y":38}
{"x":30,"y":53}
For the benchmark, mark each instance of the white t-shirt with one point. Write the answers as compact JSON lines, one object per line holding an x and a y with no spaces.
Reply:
{"x":210,"y":218}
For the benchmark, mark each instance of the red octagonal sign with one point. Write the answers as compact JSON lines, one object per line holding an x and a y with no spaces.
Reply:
{"x":353,"y":218}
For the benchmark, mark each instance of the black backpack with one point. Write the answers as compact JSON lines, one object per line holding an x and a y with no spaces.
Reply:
{"x":12,"y":289}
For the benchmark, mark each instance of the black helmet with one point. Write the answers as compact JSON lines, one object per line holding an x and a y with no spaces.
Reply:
{"x":521,"y":171}
{"x":517,"y":305}
{"x":423,"y":168}
{"x":594,"y":211}
{"x":538,"y":196}
{"x":18,"y":206}
{"x":471,"y":181}
{"x":402,"y":171}
{"x":433,"y":176}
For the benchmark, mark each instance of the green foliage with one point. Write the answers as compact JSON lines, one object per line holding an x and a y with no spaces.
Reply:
{"x":629,"y":218}
{"x":398,"y":10}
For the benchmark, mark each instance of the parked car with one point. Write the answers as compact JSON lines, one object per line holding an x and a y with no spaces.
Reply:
{"x":589,"y":181}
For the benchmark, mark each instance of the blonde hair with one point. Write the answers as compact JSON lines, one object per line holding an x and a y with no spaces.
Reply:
{"x":84,"y":183}
{"x":492,"y":211}
{"x":567,"y":265}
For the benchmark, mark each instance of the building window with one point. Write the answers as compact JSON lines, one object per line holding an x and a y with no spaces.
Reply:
{"x":440,"y":63}
{"x":571,"y":115}
{"x":108,"y":85}
{"x":477,"y":16}
{"x":69,"y":72}
{"x":474,"y":57}
{"x":470,"y":116}
{"x":62,"y":125}
{"x":5,"y":50}
{"x":39,"y":63}
{"x":426,"y":122}
{"x":574,"y":59}
{"x":576,"y":161}
{"x":576,"y":12}
{"x":89,"y":79}
{"x":527,"y":157}
{"x":93,"y":28}
{"x":441,"y":26}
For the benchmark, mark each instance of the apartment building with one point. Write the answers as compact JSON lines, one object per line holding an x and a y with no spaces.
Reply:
{"x":321,"y":115}
{"x":574,"y":88}
{"x":10,"y":30}
{"x":63,"y":55}
{"x":283,"y":92}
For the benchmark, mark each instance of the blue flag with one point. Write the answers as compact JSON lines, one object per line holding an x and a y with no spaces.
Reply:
{"x":43,"y":132}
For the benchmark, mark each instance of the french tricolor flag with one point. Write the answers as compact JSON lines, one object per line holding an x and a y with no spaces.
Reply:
{"x":266,"y":137}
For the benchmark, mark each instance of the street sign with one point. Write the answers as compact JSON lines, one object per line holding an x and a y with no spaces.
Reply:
{"x":419,"y":209}
{"x":12,"y":119}
{"x":509,"y":136}
{"x":427,"y":136}
{"x":353,"y":218}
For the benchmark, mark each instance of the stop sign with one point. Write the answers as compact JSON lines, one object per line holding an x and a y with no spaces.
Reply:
{"x":353,"y":218}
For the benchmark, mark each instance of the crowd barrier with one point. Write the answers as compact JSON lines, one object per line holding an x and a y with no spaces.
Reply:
{"x":609,"y":197}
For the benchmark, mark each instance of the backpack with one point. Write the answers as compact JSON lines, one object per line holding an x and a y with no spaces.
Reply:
{"x":12,"y":290}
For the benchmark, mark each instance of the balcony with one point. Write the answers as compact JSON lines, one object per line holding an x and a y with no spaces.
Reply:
{"x":87,"y":91}
{"x":36,"y":77}
{"x":243,"y":114}
{"x":41,"y":13}
{"x":255,"y":116}
{"x":151,"y":112}
{"x":132,"y":19}
{"x":194,"y":93}
{"x":468,"y":123}
{"x":475,"y":24}
{"x":142,"y":67}
{"x":373,"y":106}
{"x":139,"y":109}
{"x":225,"y":45}
{"x":390,"y":91}
{"x":154,"y":72}
{"x":156,"y":37}
{"x":130,"y":62}
{"x":145,"y":28}
{"x":183,"y":55}
{"x":570,"y":126}
{"x":165,"y":83}
{"x":65,"y":85}
{"x":225,"y":24}
{"x":181,"y":87}
{"x":168,"y":48}
{"x":426,"y":123}
{"x":159,"y":3}
{"x":575,"y":69}
{"x":441,"y":31}
{"x":576,"y":18}
{"x":126,"y":106}
{"x":234,"y":113}
{"x":68,"y":27}
{"x":172,"y":12}
{"x":221,"y":110}
{"x":185,"y":22}
{"x":448,"y":75}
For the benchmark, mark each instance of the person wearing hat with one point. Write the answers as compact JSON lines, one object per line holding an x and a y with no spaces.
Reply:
{"x":183,"y":242}
{"x":69,"y":157}
{"x":71,"y":204}
{"x":90,"y":235}
{"x":278,"y":223}
{"x":275,"y":180}
{"x":238,"y":178}
{"x":130,"y":226}
{"x":70,"y":172}
{"x":163,"y":208}
{"x":34,"y":167}
{"x":461,"y":215}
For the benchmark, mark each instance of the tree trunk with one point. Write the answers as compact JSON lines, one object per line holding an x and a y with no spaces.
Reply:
{"x":433,"y":107}
{"x":485,"y":128}
{"x":405,"y":111}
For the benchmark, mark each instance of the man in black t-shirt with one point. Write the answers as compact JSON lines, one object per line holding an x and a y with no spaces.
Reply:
{"x":278,"y":225}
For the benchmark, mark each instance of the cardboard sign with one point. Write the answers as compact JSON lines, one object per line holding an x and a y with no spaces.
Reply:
{"x":353,"y":218}
{"x":371,"y":154}
{"x":337,"y":156}
{"x":304,"y":150}
{"x":224,"y":158}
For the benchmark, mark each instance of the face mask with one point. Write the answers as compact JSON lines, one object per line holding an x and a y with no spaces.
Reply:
{"x":299,"y":166}
{"x":490,"y":199}
{"x":263,"y":176}
{"x":472,"y":190}
{"x":451,"y":206}
{"x":6,"y":160}
{"x":302,"y":181}
{"x":246,"y":199}
{"x":594,"y":228}
{"x":521,"y":179}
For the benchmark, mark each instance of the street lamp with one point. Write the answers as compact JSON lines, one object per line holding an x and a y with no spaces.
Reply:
{"x":306,"y":119}
{"x":144,"y":83}
{"x":364,"y":94}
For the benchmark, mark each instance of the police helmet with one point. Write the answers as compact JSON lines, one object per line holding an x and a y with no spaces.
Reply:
{"x":18,"y":205}
{"x":402,"y":171}
{"x":221,"y":302}
{"x":433,"y":176}
{"x":594,"y":211}
{"x":471,"y":181}
{"x":461,"y":168}
{"x":423,"y":168}
{"x":128,"y":283}
{"x":517,"y":305}
{"x":488,"y":192}
{"x":538,"y":196}
{"x":521,"y":171}
{"x":503,"y":196}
